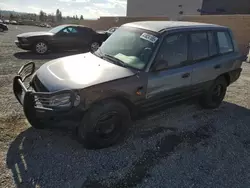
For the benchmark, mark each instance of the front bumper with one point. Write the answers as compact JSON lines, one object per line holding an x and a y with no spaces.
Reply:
{"x":22,"y":45}
{"x":33,"y":102}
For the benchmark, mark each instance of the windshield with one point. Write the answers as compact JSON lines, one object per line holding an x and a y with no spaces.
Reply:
{"x":132,"y":46}
{"x":57,"y":29}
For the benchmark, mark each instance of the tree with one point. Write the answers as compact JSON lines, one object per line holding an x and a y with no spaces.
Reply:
{"x":77,"y":17}
{"x":81,"y":18}
{"x":42,"y":16}
{"x":58,"y":15}
{"x":11,"y":16}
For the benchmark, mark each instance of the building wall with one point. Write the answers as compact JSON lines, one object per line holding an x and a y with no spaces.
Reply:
{"x":169,"y":8}
{"x":104,"y":23}
{"x":230,"y":6}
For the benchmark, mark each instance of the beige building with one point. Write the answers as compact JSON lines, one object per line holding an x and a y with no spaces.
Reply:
{"x":174,"y":8}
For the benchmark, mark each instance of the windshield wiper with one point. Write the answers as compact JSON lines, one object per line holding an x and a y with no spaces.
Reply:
{"x":114,"y":59}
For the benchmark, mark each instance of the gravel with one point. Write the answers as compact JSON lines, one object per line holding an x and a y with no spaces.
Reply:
{"x":182,"y":146}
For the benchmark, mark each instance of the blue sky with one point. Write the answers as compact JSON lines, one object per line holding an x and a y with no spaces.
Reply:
{"x":87,"y":8}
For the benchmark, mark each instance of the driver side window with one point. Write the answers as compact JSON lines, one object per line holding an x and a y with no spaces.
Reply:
{"x":70,"y":30}
{"x":173,"y":51}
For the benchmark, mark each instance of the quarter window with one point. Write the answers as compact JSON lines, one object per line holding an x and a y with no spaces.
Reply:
{"x":224,"y":41}
{"x":199,"y":45}
{"x":174,"y":50}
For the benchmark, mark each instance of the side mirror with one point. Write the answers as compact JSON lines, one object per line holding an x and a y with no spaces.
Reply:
{"x":160,"y":65}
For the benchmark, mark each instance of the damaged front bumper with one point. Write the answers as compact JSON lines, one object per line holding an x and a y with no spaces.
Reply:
{"x":43,"y":105}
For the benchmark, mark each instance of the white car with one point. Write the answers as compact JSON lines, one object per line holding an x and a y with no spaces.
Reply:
{"x":13,"y":22}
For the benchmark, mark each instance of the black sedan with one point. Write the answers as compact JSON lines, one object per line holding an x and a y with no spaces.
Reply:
{"x":63,"y":37}
{"x":3,"y":27}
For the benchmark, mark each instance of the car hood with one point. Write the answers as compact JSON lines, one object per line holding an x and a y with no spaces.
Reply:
{"x":79,"y":71}
{"x":33,"y":34}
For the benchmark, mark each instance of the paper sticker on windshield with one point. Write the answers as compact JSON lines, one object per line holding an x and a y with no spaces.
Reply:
{"x":148,"y":37}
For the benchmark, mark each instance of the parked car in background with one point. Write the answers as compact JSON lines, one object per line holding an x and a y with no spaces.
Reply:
{"x":47,"y":25}
{"x":159,"y":63}
{"x":3,"y":27}
{"x":63,"y":37}
{"x":1,"y":21}
{"x":13,"y":22}
{"x":111,"y":30}
{"x":6,"y":21}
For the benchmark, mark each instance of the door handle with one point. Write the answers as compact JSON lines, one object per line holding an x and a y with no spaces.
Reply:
{"x":217,"y":67}
{"x":186,"y":75}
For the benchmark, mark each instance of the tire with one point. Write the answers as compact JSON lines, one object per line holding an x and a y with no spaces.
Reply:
{"x":215,"y":95}
{"x":94,"y":46}
{"x":40,"y":47}
{"x":1,"y":30}
{"x":93,"y":136}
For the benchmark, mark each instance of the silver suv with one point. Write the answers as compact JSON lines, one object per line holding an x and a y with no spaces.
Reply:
{"x":140,"y":67}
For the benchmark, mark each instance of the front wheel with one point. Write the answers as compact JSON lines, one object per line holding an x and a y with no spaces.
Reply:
{"x":40,"y":47}
{"x":215,"y":95}
{"x":104,"y":125}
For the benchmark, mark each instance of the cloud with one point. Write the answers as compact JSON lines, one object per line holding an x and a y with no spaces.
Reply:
{"x":87,"y":8}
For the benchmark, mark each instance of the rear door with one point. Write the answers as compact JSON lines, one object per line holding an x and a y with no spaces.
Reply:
{"x":168,"y":84}
{"x":212,"y":55}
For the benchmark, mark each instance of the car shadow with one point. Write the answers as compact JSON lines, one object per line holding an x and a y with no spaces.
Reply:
{"x":53,"y":158}
{"x":51,"y":55}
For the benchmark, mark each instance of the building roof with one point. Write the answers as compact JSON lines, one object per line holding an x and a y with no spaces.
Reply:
{"x":158,"y":26}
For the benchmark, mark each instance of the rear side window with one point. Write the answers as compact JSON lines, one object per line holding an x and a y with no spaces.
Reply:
{"x":224,"y":42}
{"x":212,"y":44}
{"x":199,"y":45}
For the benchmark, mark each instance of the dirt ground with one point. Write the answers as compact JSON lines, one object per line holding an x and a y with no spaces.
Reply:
{"x":182,"y":146}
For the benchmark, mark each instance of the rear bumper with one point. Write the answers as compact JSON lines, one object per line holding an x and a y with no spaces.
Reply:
{"x":22,"y":45}
{"x":235,"y":74}
{"x":33,"y":102}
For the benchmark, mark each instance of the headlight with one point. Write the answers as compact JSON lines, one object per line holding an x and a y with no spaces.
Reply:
{"x":24,"y":40}
{"x":60,"y":101}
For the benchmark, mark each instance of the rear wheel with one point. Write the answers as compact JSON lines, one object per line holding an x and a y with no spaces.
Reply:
{"x":214,"y":97}
{"x":104,"y":125}
{"x":40,"y":47}
{"x":1,"y":30}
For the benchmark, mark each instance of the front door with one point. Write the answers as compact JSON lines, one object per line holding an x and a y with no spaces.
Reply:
{"x":67,"y":39}
{"x":169,"y":79}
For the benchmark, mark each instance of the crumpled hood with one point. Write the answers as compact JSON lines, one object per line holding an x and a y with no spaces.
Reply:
{"x":32,"y":34}
{"x":79,"y":71}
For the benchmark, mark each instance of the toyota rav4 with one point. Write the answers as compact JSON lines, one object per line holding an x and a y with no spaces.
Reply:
{"x":141,"y":67}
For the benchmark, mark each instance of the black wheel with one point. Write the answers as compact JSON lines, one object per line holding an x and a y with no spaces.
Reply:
{"x":104,"y":125}
{"x":94,"y":46}
{"x":214,"y":97}
{"x":1,"y":30}
{"x":40,"y":47}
